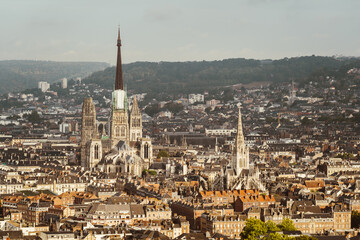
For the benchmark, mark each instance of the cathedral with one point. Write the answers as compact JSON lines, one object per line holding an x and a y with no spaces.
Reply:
{"x":122,"y":149}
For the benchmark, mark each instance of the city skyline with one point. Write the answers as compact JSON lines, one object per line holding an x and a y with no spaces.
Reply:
{"x":234,"y":149}
{"x":177,"y":31}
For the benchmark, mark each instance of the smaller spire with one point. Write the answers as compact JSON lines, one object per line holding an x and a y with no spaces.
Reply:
{"x":239,"y":120}
{"x":240,"y":141}
{"x":135,"y":107}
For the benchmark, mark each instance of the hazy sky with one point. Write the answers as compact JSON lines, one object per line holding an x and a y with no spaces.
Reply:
{"x":177,"y":30}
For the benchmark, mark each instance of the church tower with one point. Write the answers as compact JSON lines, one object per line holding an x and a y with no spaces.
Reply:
{"x":88,"y":128}
{"x":119,"y":128}
{"x":241,"y":152}
{"x":135,"y":122}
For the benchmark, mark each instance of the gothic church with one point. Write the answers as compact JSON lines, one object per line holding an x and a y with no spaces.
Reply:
{"x":123,"y":150}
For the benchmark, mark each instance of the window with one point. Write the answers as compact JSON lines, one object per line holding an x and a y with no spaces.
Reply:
{"x":96,"y":152}
{"x":146,"y":150}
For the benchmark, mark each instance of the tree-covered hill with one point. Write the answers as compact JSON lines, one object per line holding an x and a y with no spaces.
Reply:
{"x":16,"y":75}
{"x":185,"y":77}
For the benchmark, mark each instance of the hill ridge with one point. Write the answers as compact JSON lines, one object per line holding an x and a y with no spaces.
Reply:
{"x":197,"y":76}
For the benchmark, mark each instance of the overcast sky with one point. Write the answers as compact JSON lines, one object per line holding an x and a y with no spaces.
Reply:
{"x":177,"y":30}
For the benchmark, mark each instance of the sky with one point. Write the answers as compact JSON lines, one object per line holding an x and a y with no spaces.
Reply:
{"x":177,"y":30}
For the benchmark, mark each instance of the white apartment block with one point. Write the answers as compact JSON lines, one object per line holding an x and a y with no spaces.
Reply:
{"x":193,"y":98}
{"x":44,"y":86}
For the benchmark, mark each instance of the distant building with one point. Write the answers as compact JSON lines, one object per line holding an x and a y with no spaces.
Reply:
{"x":193,"y":98}
{"x":220,"y":132}
{"x":57,"y":235}
{"x":64,"y":83}
{"x":64,"y":127}
{"x":212,"y":103}
{"x":44,"y":86}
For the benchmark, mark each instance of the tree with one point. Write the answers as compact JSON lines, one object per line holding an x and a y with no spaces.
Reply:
{"x":253,"y":229}
{"x":287,"y":225}
{"x":143,"y":173}
{"x":305,"y":121}
{"x":270,"y":120}
{"x":163,"y":153}
{"x":276,"y":236}
{"x":13,"y":117}
{"x":153,"y":109}
{"x":345,"y":155}
{"x":208,"y":110}
{"x":34,"y":117}
{"x":305,"y":237}
{"x":271,"y":226}
{"x":228,"y":95}
{"x":174,"y":107}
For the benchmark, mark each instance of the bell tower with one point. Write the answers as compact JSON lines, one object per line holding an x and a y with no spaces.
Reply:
{"x":88,"y":127}
{"x":135,"y":122}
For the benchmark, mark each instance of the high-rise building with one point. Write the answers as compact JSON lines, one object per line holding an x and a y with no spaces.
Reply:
{"x":44,"y":86}
{"x":64,"y":83}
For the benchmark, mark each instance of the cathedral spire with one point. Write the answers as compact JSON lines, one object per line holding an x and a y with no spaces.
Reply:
{"x":241,"y":152}
{"x":119,"y":83}
{"x":240,"y":135}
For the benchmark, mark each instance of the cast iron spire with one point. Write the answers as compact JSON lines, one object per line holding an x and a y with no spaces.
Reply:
{"x":240,"y":141}
{"x":119,"y":83}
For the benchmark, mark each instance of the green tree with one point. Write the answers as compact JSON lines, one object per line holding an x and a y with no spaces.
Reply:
{"x":287,"y":225}
{"x":33,"y":117}
{"x":304,"y":237}
{"x":208,"y":110}
{"x":143,"y":173}
{"x":253,"y":229}
{"x":163,"y":153}
{"x":228,"y":95}
{"x":272,"y":227}
{"x":276,"y":236}
{"x":345,"y":155}
{"x":13,"y":117}
{"x":270,"y":120}
{"x":305,"y":121}
{"x":153,"y":109}
{"x":174,"y":107}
